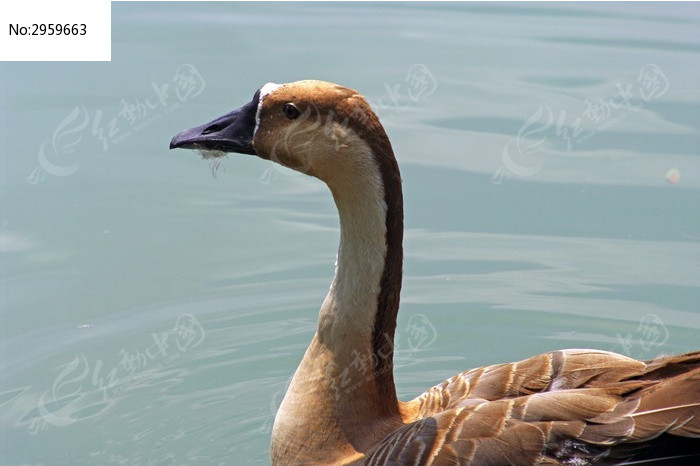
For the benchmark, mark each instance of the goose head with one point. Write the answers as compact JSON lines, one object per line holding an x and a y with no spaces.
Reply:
{"x":314,"y":127}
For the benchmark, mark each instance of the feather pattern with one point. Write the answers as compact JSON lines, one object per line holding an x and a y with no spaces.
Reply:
{"x":569,"y":407}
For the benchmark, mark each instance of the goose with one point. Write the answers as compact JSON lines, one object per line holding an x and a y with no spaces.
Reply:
{"x":567,"y":407}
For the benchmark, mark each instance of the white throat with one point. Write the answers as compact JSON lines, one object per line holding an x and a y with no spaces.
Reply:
{"x":351,"y":304}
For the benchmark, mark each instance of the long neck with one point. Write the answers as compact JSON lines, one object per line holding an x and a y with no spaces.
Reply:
{"x":359,"y":313}
{"x":344,"y":385}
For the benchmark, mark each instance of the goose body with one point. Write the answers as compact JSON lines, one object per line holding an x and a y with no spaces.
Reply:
{"x":569,"y":407}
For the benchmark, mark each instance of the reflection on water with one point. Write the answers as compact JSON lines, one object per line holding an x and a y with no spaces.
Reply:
{"x":153,"y":314}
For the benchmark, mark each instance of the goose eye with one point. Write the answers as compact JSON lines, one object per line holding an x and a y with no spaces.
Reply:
{"x":290,"y":111}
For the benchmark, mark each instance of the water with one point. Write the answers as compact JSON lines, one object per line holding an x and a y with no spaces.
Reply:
{"x":152,"y":313}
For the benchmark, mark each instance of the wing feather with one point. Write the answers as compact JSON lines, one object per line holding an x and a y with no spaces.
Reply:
{"x":565,"y":407}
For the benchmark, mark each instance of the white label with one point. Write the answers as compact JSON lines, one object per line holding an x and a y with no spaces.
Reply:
{"x":60,"y":30}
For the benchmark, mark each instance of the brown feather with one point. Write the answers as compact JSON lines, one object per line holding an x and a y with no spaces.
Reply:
{"x":565,"y":407}
{"x":568,"y":407}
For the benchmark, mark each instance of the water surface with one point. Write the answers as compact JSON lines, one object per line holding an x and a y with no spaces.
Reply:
{"x":151,"y":313}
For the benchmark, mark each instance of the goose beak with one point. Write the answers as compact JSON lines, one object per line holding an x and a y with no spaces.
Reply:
{"x":232,"y":132}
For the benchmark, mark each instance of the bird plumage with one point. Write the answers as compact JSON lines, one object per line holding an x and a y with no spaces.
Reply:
{"x":569,"y":407}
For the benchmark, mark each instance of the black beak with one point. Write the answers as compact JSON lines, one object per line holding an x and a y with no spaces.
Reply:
{"x":232,"y":132}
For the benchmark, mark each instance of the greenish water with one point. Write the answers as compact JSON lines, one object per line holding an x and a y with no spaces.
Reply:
{"x":151,"y":313}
